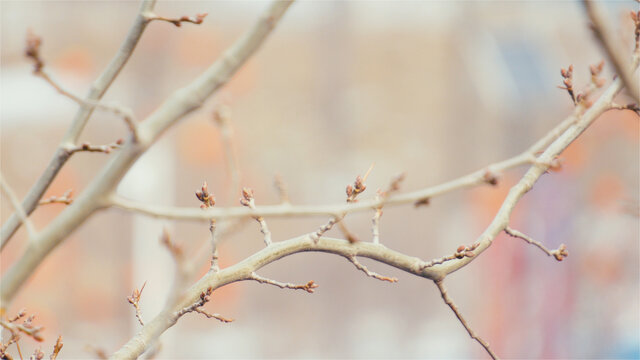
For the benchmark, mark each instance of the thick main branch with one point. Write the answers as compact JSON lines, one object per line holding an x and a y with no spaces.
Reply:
{"x":180,"y":103}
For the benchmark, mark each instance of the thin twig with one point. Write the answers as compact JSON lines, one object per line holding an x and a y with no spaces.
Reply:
{"x":205,"y":296}
{"x":308,"y":287}
{"x":134,"y":300}
{"x":455,"y":310}
{"x":198,"y":19}
{"x":281,"y":187}
{"x":56,"y":348}
{"x":33,"y":52}
{"x":95,"y":148}
{"x":222,"y":117}
{"x":369,"y":273}
{"x":66,"y":198}
{"x":248,"y":200}
{"x":559,"y":253}
{"x":31,"y":230}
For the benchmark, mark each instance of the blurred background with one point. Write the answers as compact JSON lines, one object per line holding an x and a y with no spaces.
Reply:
{"x":434,"y":89}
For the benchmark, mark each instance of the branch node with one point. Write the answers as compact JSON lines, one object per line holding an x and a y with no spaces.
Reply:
{"x":205,"y":296}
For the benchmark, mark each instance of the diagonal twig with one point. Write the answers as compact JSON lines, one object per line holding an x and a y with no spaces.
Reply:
{"x":447,"y":299}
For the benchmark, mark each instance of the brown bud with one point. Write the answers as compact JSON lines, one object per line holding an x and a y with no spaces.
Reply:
{"x":247,"y":193}
{"x":490,"y":178}
{"x":349,"y":190}
{"x":422,"y":202}
{"x":461,"y":248}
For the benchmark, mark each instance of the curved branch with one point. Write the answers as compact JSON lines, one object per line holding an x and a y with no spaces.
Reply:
{"x":245,"y":269}
{"x":501,"y":219}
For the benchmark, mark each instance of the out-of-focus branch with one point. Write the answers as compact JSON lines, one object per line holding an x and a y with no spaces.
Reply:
{"x":613,"y":48}
{"x":97,"y":194}
{"x":222,"y":118}
{"x":66,"y":198}
{"x":33,"y":52}
{"x":98,"y":89}
{"x":198,"y":19}
{"x":6,"y":189}
{"x":134,"y":300}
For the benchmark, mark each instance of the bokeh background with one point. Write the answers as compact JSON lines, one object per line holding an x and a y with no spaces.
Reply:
{"x":433,"y":89}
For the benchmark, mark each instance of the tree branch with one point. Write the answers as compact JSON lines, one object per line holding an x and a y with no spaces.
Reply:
{"x":612,"y":48}
{"x":475,"y":178}
{"x":540,"y":166}
{"x":22,"y":215}
{"x":455,"y":310}
{"x":98,"y":89}
{"x":97,"y":193}
{"x":245,"y":270}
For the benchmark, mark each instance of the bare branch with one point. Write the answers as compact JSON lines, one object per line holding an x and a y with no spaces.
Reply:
{"x":213,"y":316}
{"x":205,"y":296}
{"x":33,"y":52}
{"x":455,"y":310}
{"x":381,"y":195}
{"x":461,"y":252}
{"x":419,"y":197}
{"x":308,"y":287}
{"x":134,"y":300}
{"x":281,"y":187}
{"x":249,"y":201}
{"x":198,"y":19}
{"x":208,"y":201}
{"x":66,"y":198}
{"x":559,"y":253}
{"x":612,"y":48}
{"x":539,"y":167}
{"x":98,"y":89}
{"x":27,"y":327}
{"x":56,"y":348}
{"x":222,"y":118}
{"x":245,"y":270}
{"x":96,"y":196}
{"x":96,"y":148}
{"x":372,"y":274}
{"x":6,"y":189}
